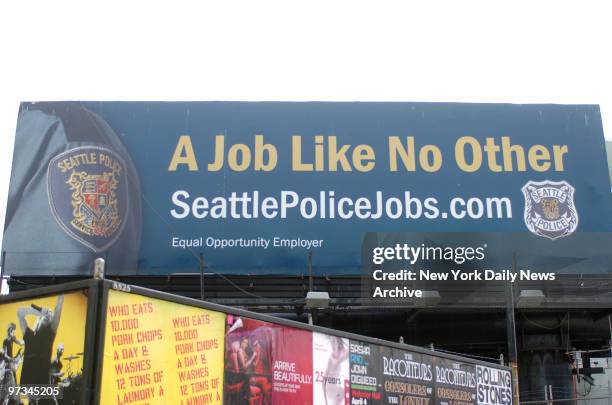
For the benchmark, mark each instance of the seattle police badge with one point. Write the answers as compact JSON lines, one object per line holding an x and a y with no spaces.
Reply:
{"x":549,"y":208}
{"x":88,"y":194}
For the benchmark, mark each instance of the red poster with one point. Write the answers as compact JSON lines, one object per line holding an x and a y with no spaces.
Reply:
{"x":292,"y":367}
{"x":267,"y":364}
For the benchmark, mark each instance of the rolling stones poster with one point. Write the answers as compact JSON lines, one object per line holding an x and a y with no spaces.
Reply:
{"x":267,"y":363}
{"x":493,"y":386}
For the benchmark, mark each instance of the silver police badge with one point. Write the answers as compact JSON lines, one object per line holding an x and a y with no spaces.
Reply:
{"x":549,"y":208}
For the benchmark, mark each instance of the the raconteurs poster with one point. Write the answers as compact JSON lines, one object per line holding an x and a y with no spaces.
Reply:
{"x":407,"y":377}
{"x":161,"y":352}
{"x":43,"y":343}
{"x":455,"y":382}
{"x":267,"y":363}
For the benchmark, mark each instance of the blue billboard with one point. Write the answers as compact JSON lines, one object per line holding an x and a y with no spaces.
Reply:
{"x":254,"y":187}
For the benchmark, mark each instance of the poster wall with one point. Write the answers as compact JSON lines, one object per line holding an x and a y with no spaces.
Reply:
{"x":42,"y":346}
{"x":161,"y":352}
{"x":266,"y":363}
{"x":155,"y":351}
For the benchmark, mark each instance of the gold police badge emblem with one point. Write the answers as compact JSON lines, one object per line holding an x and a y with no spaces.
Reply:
{"x":94,"y":203}
{"x":88,"y":194}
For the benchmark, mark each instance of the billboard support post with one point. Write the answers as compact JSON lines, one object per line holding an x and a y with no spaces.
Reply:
{"x":2,"y":260}
{"x":310,"y":285}
{"x":511,"y":333}
{"x":609,"y":318}
{"x":201,"y":264}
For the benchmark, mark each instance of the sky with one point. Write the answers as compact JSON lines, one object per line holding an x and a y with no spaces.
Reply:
{"x":454,"y":51}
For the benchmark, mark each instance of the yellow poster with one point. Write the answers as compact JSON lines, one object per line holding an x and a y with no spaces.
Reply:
{"x":161,"y":352}
{"x":43,"y":342}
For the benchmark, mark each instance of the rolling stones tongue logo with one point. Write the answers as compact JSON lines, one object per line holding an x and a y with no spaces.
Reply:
{"x":549,"y":208}
{"x":87,"y":189}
